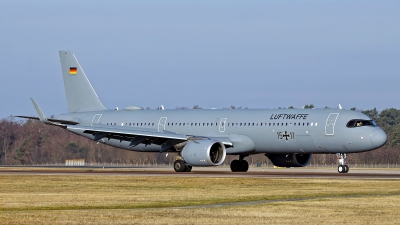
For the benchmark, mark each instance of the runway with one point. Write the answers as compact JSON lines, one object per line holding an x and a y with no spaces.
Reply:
{"x":210,"y":172}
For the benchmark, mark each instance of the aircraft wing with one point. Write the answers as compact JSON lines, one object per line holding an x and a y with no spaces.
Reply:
{"x":126,"y":132}
{"x":166,"y":140}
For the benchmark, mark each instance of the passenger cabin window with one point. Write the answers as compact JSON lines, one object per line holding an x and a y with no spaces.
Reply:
{"x":361,"y":123}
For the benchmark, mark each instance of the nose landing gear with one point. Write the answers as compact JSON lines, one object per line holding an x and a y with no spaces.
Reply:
{"x":342,"y":168}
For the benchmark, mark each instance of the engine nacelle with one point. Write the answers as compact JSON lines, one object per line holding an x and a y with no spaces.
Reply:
{"x":290,"y":160}
{"x":204,"y":153}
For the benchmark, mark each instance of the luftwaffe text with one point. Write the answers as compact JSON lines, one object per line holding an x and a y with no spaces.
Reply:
{"x":288,"y":116}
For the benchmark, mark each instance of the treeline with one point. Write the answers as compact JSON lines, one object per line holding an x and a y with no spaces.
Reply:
{"x":31,"y":142}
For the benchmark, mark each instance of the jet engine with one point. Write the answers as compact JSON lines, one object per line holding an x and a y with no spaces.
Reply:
{"x":204,"y":153}
{"x":289,"y":160}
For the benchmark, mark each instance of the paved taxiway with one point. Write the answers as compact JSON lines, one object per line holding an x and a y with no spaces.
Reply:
{"x":211,"y":172}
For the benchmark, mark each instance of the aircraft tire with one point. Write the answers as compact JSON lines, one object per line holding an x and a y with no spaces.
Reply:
{"x":179,"y":166}
{"x":346,"y":168}
{"x":188,"y":168}
{"x":235,"y":166}
{"x":244,"y":166}
{"x":341,"y":169}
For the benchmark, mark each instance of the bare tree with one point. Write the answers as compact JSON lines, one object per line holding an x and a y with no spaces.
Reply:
{"x":196,"y":107}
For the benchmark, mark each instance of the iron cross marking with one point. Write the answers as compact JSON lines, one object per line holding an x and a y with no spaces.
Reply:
{"x":286,"y":135}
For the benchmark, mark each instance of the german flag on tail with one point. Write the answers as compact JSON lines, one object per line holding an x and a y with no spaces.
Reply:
{"x":73,"y":70}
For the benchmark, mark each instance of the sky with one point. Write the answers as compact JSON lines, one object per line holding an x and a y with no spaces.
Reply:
{"x":215,"y":54}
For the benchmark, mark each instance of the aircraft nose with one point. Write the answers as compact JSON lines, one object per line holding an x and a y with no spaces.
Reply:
{"x":378,"y":138}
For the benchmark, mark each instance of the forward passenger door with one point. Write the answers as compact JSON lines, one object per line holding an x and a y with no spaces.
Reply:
{"x":330,"y":124}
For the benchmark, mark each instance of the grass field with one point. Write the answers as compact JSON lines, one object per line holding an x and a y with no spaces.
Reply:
{"x":99,"y":199}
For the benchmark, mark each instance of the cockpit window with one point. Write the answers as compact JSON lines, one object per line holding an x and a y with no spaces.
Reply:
{"x":361,"y":123}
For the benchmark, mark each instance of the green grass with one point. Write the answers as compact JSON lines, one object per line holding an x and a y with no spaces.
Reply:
{"x":108,"y":199}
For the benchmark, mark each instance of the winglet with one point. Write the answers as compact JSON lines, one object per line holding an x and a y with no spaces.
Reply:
{"x":42,"y":117}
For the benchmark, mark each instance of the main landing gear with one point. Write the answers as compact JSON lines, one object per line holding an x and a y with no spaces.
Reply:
{"x":181,"y":166}
{"x":342,"y":168}
{"x":240,"y":165}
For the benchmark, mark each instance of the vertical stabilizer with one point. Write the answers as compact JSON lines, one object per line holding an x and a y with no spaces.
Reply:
{"x":81,"y":96}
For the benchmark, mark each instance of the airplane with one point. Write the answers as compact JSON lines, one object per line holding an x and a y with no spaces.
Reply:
{"x":203,"y":137}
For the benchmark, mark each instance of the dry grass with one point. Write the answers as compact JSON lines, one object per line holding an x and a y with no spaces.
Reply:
{"x":96,"y":199}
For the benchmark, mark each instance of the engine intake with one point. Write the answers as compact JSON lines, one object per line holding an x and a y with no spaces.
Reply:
{"x":290,"y":160}
{"x":204,"y":153}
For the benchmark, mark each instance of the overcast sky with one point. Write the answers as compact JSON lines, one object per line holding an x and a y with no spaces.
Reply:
{"x":255,"y":54}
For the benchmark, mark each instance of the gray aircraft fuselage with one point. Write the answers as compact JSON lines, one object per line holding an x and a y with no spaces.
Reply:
{"x":250,"y":130}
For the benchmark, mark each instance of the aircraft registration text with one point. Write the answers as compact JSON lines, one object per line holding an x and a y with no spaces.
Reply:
{"x":286,"y":135}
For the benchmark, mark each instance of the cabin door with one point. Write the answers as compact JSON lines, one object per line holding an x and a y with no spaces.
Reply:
{"x":161,"y":124}
{"x":96,"y":119}
{"x":222,"y":125}
{"x":330,"y":124}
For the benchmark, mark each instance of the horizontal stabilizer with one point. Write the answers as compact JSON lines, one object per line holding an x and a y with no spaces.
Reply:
{"x":66,"y":122}
{"x":44,"y":119}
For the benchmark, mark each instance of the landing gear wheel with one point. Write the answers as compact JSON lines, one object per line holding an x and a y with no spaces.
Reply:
{"x":188,"y":168}
{"x":179,"y":166}
{"x":346,"y":168}
{"x":341,"y":169}
{"x":244,"y":166}
{"x":239,"y":166}
{"x":235,"y":165}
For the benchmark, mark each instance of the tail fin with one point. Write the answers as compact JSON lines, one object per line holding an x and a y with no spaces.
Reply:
{"x":81,"y":96}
